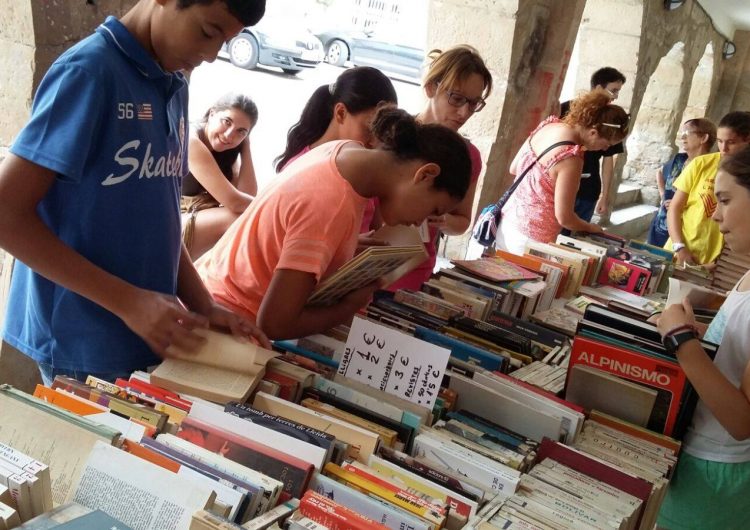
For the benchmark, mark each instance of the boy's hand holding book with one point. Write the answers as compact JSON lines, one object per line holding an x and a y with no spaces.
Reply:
{"x":241,"y":328}
{"x":161,"y":321}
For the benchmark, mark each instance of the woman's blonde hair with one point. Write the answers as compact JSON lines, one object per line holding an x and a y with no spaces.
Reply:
{"x":593,"y":110}
{"x":449,"y":67}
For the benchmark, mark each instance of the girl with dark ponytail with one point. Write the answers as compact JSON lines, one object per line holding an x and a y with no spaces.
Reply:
{"x":342,"y":111}
{"x":305,"y":226}
{"x":339,"y":111}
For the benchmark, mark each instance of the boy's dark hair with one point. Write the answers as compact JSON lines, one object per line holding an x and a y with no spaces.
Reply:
{"x":738,"y":121}
{"x":408,"y":139}
{"x":359,"y":89}
{"x":603,"y":76}
{"x":738,"y":165}
{"x":249,"y":12}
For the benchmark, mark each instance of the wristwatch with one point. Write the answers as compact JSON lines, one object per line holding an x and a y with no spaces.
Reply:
{"x":676,"y":247}
{"x":673,"y":341}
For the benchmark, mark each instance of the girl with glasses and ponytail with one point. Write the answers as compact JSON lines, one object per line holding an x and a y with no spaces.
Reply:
{"x":457,"y":84}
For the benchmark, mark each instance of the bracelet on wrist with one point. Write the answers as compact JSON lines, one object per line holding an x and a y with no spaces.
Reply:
{"x":679,"y":329}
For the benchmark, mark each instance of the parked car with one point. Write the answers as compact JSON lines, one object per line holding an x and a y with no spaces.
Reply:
{"x":380,"y":49}
{"x":275,"y":42}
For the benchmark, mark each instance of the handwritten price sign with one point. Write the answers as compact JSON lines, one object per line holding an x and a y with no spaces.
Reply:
{"x":394,"y":362}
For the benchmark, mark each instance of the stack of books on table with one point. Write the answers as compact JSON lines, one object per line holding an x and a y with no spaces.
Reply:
{"x":325,"y":450}
{"x":614,"y":476}
{"x":730,"y":267}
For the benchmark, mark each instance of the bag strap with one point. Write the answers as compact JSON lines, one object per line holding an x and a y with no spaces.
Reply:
{"x":520,"y":178}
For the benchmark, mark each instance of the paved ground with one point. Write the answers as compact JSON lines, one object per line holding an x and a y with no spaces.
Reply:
{"x":280,"y":99}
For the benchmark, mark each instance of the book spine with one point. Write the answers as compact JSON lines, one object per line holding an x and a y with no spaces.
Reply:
{"x":435,"y":511}
{"x":248,"y":413}
{"x":492,"y":476}
{"x":19,"y":491}
{"x":371,"y":488}
{"x":334,"y":516}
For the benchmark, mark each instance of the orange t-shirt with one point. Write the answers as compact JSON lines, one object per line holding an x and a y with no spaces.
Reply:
{"x":307,"y":220}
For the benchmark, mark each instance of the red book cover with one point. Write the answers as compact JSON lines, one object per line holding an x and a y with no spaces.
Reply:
{"x":625,"y":276}
{"x":293,"y":472}
{"x":335,"y":516}
{"x":664,"y":376}
{"x":289,"y":387}
{"x":161,"y":394}
{"x":596,"y":469}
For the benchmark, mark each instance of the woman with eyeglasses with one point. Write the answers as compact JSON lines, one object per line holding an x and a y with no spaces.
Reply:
{"x":221,"y":182}
{"x":543,"y":203}
{"x":456,"y":84}
{"x":697,"y":137}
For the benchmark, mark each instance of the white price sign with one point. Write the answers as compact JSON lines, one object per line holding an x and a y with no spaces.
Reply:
{"x":394,"y":362}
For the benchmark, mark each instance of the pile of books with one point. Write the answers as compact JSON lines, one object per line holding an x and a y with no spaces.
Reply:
{"x":619,"y":365}
{"x":730,"y":267}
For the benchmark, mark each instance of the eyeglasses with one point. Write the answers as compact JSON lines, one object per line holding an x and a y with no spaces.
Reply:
{"x":684,"y":134}
{"x":459,"y":100}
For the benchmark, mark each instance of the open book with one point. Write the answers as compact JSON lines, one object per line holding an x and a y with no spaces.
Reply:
{"x":404,"y":253}
{"x":699,"y":297}
{"x":224,"y":369}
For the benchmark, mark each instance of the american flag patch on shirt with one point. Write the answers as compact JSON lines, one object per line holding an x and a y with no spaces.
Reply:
{"x":144,"y":112}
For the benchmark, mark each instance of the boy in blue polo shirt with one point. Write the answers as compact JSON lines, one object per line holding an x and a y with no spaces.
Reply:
{"x":91,"y":196}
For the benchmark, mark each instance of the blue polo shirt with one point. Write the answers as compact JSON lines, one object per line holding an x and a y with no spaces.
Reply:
{"x":113,"y":126}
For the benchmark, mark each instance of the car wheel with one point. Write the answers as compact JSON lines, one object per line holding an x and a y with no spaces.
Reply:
{"x":243,"y":51}
{"x":337,"y":52}
{"x":290,"y":71}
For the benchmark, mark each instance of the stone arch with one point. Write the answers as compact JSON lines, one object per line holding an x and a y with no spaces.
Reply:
{"x":650,"y":143}
{"x":700,"y":88}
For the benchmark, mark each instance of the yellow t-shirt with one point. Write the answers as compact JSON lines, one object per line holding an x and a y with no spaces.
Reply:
{"x":700,"y":233}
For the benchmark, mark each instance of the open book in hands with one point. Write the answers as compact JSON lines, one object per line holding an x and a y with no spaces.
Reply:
{"x":224,"y":369}
{"x":404,"y":252}
{"x":701,"y":298}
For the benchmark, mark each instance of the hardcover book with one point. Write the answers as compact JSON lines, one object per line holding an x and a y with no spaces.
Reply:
{"x":624,"y":275}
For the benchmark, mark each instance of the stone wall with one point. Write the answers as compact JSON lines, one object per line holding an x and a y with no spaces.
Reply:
{"x":32,"y":35}
{"x":672,"y":46}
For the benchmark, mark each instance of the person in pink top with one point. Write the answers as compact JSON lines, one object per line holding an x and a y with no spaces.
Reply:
{"x":303,"y":227}
{"x":457,"y":84}
{"x":341,"y":111}
{"x":544,"y":201}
